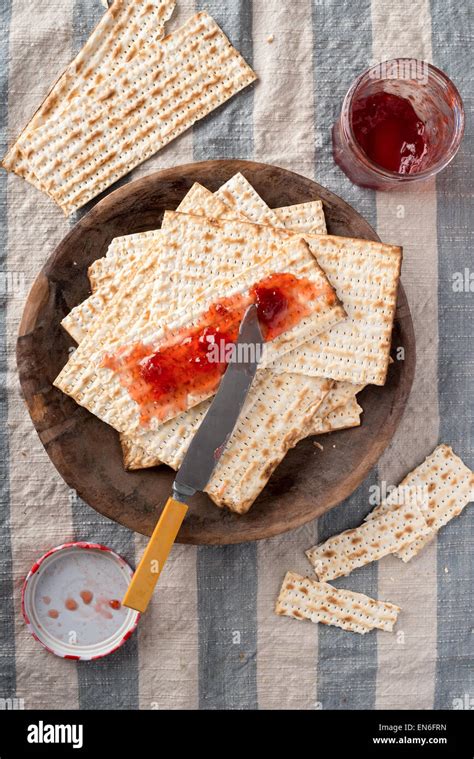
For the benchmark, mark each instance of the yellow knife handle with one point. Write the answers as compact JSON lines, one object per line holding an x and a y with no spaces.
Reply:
{"x":143,"y":582}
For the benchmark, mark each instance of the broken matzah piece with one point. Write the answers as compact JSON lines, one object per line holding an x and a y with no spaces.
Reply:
{"x":132,"y":250}
{"x":127,"y":26}
{"x":339,"y":410}
{"x":303,"y":217}
{"x":198,"y":201}
{"x":114,"y":392}
{"x":239,"y":195}
{"x":365,"y":275}
{"x":340,"y":394}
{"x":442,"y":483}
{"x":166,"y":88}
{"x":125,"y":256}
{"x":369,"y":542}
{"x":341,"y":418}
{"x":262,"y":437}
{"x":303,"y":598}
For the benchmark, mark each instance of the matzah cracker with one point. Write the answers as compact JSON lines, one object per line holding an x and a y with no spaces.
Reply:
{"x":198,"y":241}
{"x":262,"y":437}
{"x":86,"y":380}
{"x":177,"y":433}
{"x":174,"y":448}
{"x":136,"y":251}
{"x":342,"y":418}
{"x":125,"y":256}
{"x":198,"y":201}
{"x":369,"y":542}
{"x":170,"y":443}
{"x":340,"y":394}
{"x":273,"y":420}
{"x":303,"y":598}
{"x":443,"y":484}
{"x":303,"y":217}
{"x":122,"y":32}
{"x":171,"y":84}
{"x":365,"y":275}
{"x":284,"y":420}
{"x":239,"y":195}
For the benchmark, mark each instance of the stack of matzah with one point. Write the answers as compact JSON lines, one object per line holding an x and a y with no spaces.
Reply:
{"x":151,"y":284}
{"x":129,"y":92}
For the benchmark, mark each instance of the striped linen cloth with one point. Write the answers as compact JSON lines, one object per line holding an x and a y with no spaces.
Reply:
{"x":210,"y":639}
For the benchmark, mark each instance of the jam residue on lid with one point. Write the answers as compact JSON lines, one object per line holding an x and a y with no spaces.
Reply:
{"x":160,"y":380}
{"x":389,"y":132}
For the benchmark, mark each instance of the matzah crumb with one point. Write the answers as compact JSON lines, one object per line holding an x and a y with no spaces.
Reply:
{"x":270,"y":39}
{"x":318,"y":445}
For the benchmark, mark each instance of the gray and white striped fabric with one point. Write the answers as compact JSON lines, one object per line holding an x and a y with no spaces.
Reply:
{"x":210,"y":639}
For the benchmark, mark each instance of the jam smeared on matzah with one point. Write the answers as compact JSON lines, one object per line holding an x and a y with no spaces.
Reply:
{"x":193,"y":361}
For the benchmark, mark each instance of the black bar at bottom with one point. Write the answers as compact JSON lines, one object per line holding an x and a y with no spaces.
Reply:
{"x":128,"y":733}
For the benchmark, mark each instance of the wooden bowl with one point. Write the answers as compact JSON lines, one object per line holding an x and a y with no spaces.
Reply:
{"x":87,"y":453}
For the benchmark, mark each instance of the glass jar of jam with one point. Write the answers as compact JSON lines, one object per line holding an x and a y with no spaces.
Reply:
{"x":401,"y":122}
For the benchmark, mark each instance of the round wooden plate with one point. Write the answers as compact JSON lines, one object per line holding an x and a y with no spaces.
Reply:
{"x":87,"y":453}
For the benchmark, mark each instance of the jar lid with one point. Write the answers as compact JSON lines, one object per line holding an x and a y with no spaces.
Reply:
{"x":71,"y":601}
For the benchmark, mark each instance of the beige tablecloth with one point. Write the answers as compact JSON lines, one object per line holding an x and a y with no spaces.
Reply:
{"x":210,"y":639}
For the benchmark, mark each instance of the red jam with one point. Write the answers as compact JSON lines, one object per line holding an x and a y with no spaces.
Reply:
{"x":160,"y":381}
{"x":70,"y":604}
{"x":272,"y":305}
{"x":389,"y":132}
{"x":114,"y":604}
{"x":53,"y":613}
{"x":86,"y":596}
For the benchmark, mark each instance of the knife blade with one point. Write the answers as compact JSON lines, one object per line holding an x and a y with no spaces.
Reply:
{"x":205,"y":450}
{"x":209,"y":442}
